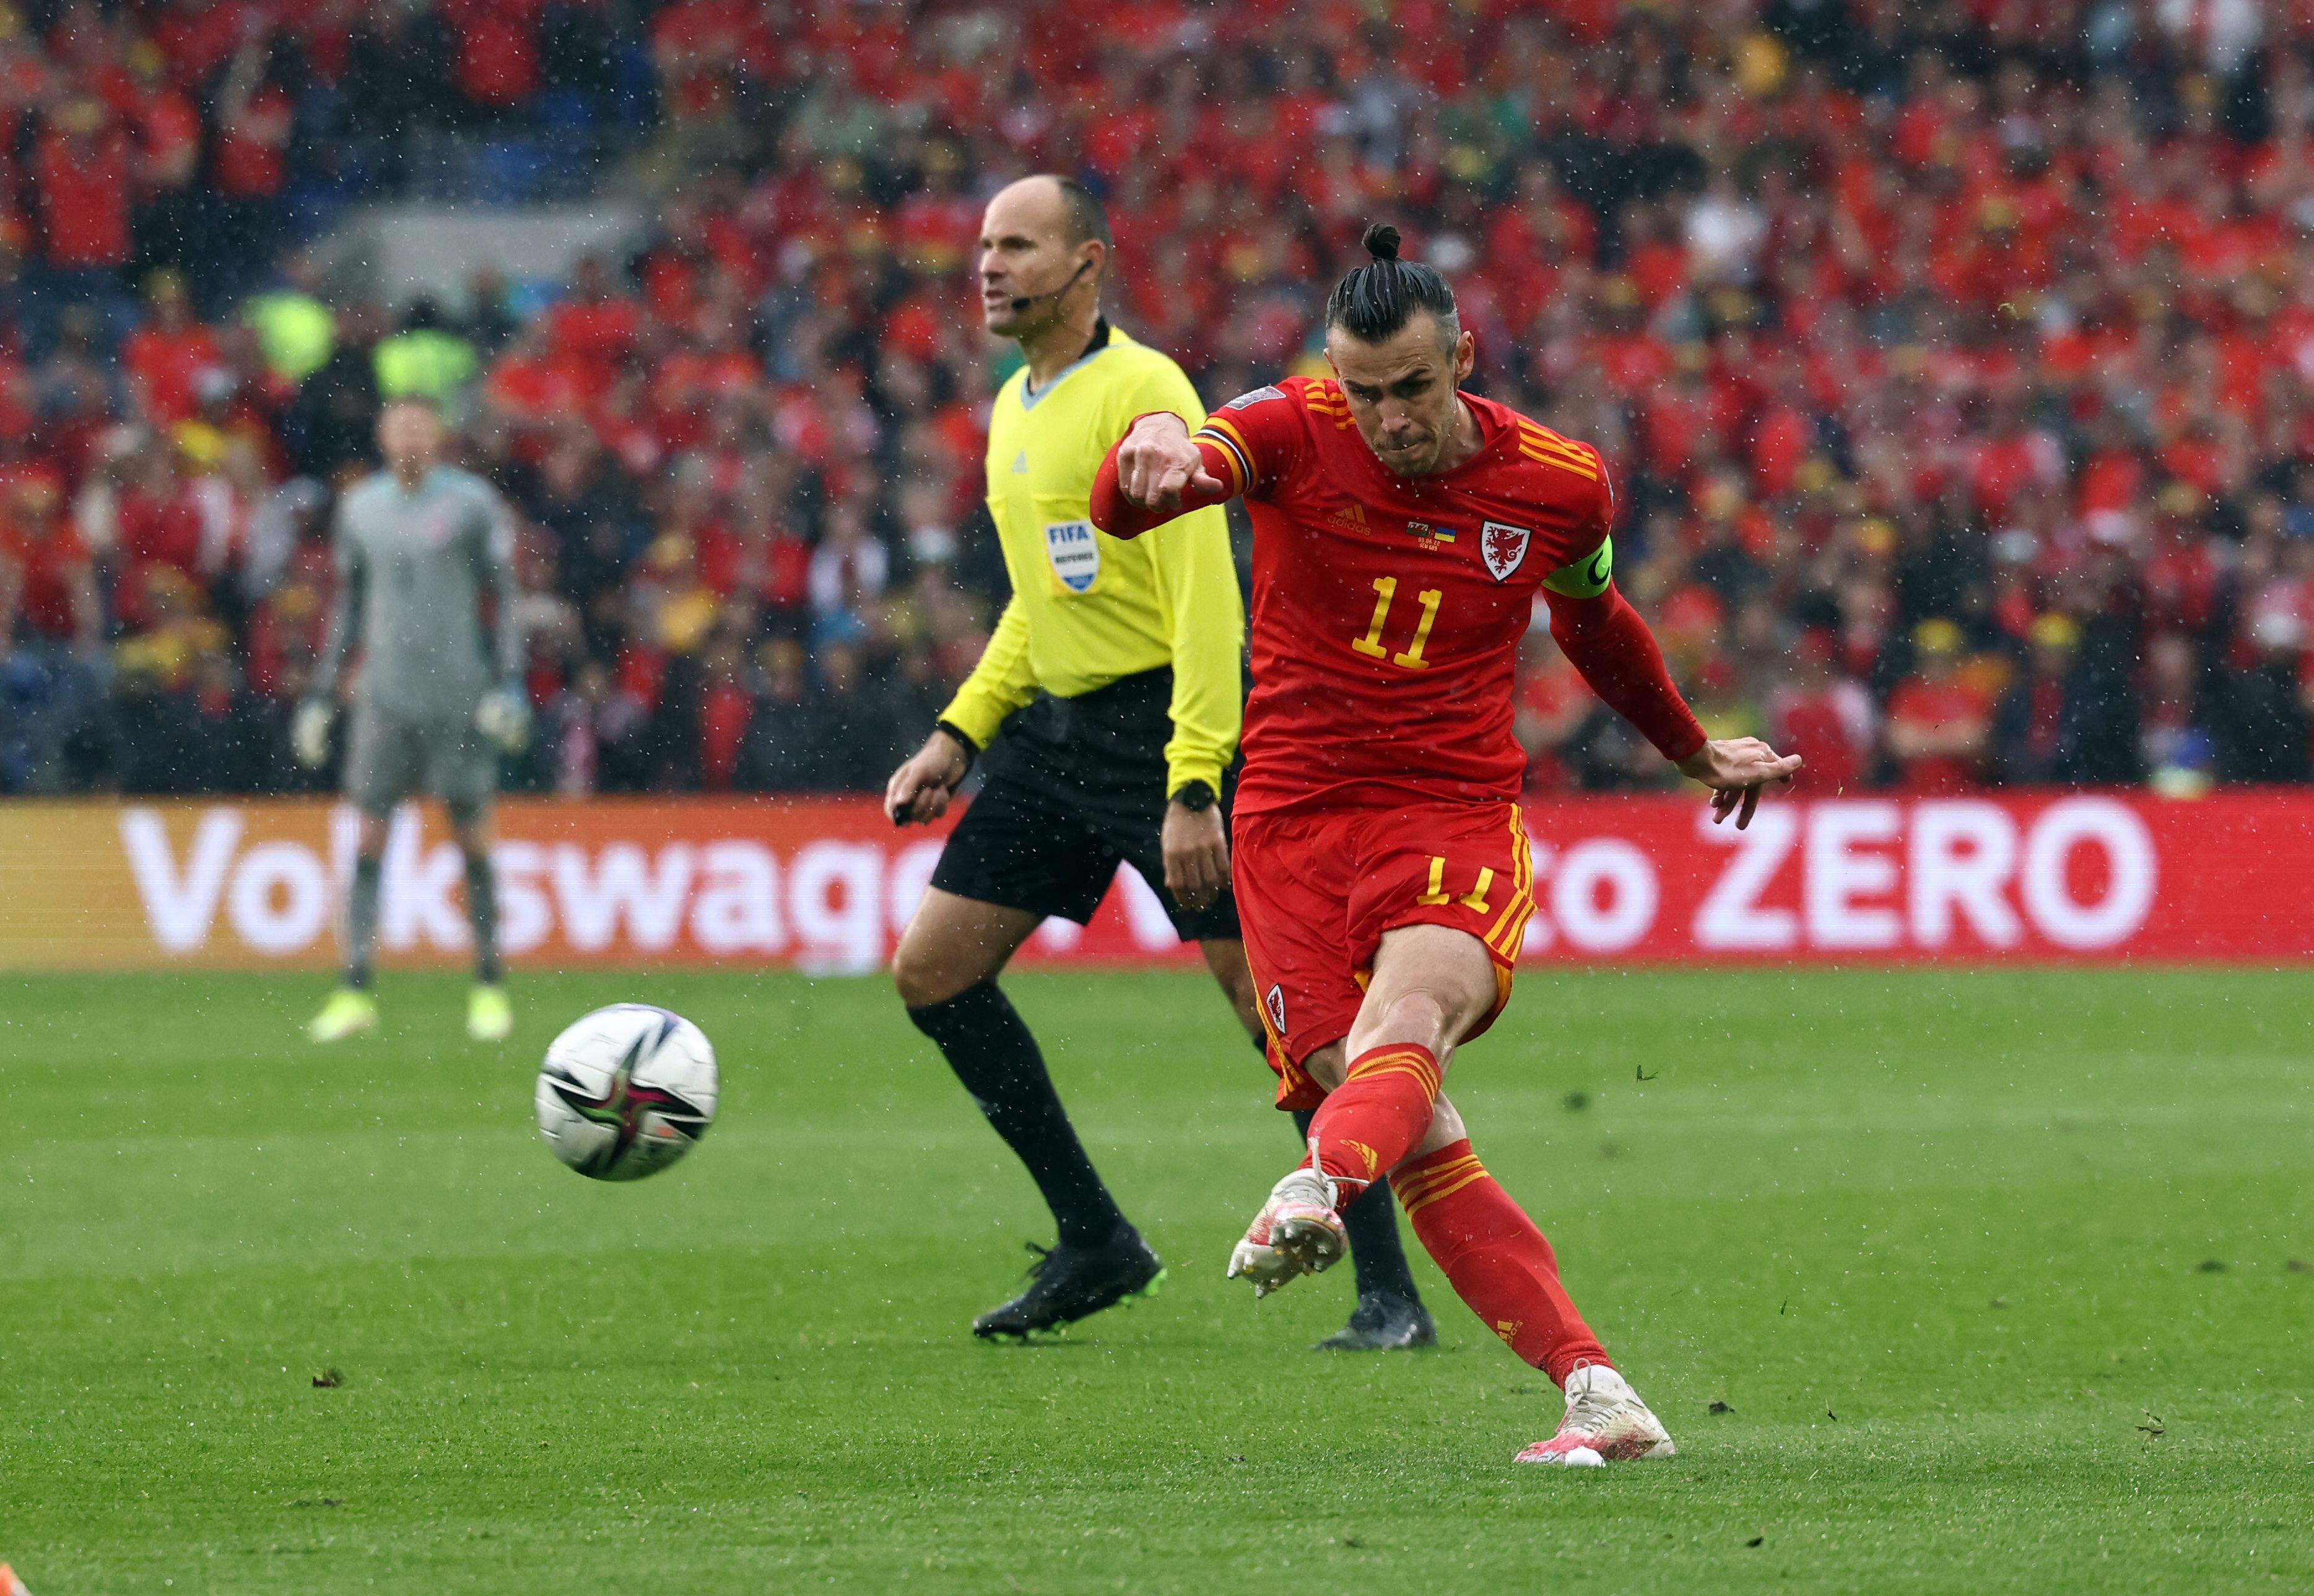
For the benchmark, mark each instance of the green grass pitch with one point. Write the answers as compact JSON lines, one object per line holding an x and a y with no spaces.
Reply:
{"x":1992,"y":1272}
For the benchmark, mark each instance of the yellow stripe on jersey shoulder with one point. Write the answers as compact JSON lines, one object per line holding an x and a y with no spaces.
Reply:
{"x":1573,"y":457}
{"x":1581,"y":468}
{"x":1544,"y":435}
{"x":1329,"y":403}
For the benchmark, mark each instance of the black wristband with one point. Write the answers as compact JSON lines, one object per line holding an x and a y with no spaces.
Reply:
{"x":971,"y":749}
{"x":1196,"y":796}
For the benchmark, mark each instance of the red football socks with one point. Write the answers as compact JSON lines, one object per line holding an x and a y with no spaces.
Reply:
{"x":1375,"y":1116}
{"x":1497,"y":1261}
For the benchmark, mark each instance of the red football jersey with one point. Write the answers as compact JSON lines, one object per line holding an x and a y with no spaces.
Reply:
{"x":1387,"y":610}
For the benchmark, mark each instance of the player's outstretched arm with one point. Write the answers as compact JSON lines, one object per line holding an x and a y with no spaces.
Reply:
{"x":1154,"y":473}
{"x":1615,"y":653}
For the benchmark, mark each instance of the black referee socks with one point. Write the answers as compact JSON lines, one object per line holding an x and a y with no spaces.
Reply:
{"x":985,"y":1043}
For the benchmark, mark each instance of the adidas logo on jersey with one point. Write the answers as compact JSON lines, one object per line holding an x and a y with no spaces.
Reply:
{"x":1021,"y":464}
{"x":1353,"y":515}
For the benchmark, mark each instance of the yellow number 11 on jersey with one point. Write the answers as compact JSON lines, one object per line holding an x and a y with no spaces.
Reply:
{"x":1385,"y":590}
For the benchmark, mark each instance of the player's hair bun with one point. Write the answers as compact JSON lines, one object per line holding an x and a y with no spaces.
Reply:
{"x":1375,"y":300}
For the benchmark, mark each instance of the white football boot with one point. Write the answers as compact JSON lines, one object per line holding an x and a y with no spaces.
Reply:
{"x":1605,"y":1422}
{"x":1298,"y":1231}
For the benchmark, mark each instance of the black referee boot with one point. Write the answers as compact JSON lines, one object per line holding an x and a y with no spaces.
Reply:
{"x":1389,"y":1316}
{"x":1067,"y":1284}
{"x":1383,"y":1322}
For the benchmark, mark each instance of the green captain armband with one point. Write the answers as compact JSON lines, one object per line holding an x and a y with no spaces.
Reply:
{"x":1586,"y":578}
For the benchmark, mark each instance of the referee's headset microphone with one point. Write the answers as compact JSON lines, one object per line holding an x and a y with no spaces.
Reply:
{"x":1021,"y":302}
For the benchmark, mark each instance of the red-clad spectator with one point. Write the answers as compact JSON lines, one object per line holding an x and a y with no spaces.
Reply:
{"x":167,"y":135}
{"x":537,"y":383}
{"x":195,"y":38}
{"x":167,"y":357}
{"x":160,"y":525}
{"x":595,"y":324}
{"x":1826,"y":718}
{"x":497,"y":67}
{"x":724,"y":708}
{"x":2011,"y":458}
{"x":81,"y":172}
{"x":52,"y":580}
{"x":1940,"y":721}
{"x":248,"y":158}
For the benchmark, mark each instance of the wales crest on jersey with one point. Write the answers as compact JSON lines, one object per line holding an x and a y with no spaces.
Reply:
{"x":1502,"y":547}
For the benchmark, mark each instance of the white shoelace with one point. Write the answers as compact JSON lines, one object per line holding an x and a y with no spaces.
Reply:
{"x":1589,"y":1410}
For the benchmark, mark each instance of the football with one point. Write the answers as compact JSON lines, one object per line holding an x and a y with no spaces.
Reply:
{"x":626,"y":1090}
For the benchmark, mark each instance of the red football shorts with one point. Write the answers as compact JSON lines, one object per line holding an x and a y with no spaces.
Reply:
{"x":1316,"y":891}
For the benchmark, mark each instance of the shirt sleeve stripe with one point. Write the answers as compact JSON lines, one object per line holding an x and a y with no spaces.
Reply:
{"x":1219,"y":428}
{"x":1230,"y":453}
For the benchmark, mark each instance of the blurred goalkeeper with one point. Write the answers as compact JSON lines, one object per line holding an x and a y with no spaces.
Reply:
{"x":1107,"y":706}
{"x":439,"y":694}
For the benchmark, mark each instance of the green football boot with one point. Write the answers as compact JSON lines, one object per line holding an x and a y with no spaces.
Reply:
{"x":349,"y":1012}
{"x":489,"y":1018}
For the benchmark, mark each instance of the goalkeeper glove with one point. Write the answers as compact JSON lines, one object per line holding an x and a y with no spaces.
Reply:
{"x":504,"y":718}
{"x":309,"y":733}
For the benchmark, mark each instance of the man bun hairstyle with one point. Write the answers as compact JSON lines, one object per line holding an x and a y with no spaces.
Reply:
{"x":1380,"y":297}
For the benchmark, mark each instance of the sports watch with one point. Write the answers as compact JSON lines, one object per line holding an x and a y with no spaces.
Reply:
{"x":1196,"y":796}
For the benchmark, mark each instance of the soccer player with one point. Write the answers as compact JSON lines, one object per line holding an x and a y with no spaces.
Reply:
{"x":419,"y":545}
{"x":1402,"y":531}
{"x":1105,"y":712}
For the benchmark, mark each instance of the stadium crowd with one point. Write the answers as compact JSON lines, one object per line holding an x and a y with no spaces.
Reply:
{"x":1956,"y":359}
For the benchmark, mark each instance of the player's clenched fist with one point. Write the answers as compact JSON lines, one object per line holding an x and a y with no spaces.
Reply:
{"x":1156,"y":463}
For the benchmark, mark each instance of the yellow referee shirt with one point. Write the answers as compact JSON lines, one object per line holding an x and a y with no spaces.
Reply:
{"x":1087,"y":608}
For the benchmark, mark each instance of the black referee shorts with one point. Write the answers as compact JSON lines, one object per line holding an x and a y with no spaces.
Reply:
{"x":1071,"y":787}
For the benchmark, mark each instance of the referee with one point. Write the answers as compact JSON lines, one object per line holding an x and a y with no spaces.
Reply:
{"x":1104,"y":713}
{"x":419,"y":546}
